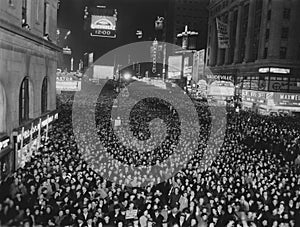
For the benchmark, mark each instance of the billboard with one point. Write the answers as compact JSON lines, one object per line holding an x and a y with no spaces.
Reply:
{"x":103,"y":26}
{"x":174,"y":67}
{"x":223,"y":37}
{"x":103,"y":72}
{"x":221,"y":88}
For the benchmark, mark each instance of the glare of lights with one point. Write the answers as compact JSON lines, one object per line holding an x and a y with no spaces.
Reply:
{"x":127,"y":76}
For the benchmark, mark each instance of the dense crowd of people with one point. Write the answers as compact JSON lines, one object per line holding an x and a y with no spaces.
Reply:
{"x":253,"y":181}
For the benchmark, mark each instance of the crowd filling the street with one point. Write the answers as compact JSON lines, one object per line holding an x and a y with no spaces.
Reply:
{"x":253,"y":181}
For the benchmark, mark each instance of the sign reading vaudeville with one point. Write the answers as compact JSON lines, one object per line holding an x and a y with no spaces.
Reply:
{"x":103,"y":26}
{"x":223,"y":37}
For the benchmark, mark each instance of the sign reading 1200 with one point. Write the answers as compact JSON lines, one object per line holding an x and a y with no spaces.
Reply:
{"x":103,"y":33}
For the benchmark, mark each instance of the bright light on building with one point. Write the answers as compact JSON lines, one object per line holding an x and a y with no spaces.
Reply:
{"x":127,"y":76}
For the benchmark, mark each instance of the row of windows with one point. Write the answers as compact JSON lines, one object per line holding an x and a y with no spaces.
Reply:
{"x":26,"y":96}
{"x":26,"y":14}
{"x":282,"y":53}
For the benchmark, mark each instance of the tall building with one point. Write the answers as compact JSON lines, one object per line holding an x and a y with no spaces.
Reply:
{"x":28,"y":60}
{"x":193,"y":13}
{"x":264,"y":44}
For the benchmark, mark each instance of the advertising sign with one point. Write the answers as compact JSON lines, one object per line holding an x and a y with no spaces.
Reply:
{"x":174,"y":67}
{"x":223,"y":37}
{"x":221,"y":88}
{"x":259,"y":97}
{"x":103,"y":26}
{"x":159,"y":23}
{"x":285,"y":99}
{"x":4,"y":142}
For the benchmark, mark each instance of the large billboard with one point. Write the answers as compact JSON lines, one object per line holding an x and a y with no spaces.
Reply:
{"x":103,"y":72}
{"x":174,"y":67}
{"x":221,"y":88}
{"x":103,"y":26}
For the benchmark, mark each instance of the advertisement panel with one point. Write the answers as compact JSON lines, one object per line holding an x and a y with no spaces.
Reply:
{"x":285,"y":99}
{"x":68,"y":85}
{"x":259,"y":97}
{"x":103,"y":26}
{"x":187,"y":68}
{"x":103,"y":72}
{"x":174,"y":67}
{"x":221,"y":88}
{"x":223,"y":37}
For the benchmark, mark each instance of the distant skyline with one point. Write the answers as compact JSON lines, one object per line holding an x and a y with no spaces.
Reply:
{"x":132,"y":15}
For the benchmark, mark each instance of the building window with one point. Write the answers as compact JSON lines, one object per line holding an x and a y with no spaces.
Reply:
{"x":46,"y":19}
{"x":269,"y":15}
{"x":267,"y":34}
{"x":284,"y":33}
{"x":24,"y":13}
{"x":44,"y":96}
{"x":265,"y":53}
{"x":282,"y":53}
{"x":37,"y":2}
{"x":24,"y":101}
{"x":286,"y":13}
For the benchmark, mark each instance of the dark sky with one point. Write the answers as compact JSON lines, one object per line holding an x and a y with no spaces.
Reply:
{"x":132,"y":15}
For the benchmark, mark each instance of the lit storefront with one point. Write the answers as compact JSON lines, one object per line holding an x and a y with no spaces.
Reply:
{"x":271,"y":102}
{"x":27,"y":139}
{"x":6,"y":157}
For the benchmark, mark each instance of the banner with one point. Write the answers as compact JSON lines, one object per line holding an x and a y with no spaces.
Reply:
{"x":222,"y":31}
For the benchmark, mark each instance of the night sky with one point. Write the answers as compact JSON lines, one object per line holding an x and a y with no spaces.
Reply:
{"x":132,"y":15}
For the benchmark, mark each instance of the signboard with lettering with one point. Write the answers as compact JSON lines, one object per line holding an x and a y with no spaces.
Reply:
{"x":35,"y":127}
{"x":286,"y":99}
{"x":103,"y":26}
{"x":223,"y":37}
{"x":259,"y":97}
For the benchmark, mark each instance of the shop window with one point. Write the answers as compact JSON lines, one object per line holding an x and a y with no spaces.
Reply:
{"x":44,"y":96}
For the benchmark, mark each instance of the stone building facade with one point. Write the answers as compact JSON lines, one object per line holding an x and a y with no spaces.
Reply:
{"x":28,"y":62}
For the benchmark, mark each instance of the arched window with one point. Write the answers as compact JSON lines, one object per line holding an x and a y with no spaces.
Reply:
{"x":24,"y":101}
{"x":44,"y":97}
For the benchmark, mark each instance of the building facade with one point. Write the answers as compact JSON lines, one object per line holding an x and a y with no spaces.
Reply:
{"x":28,"y":61}
{"x":193,"y":13}
{"x":264,"y":44}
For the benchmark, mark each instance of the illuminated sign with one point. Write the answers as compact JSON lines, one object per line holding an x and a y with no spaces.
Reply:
{"x":103,"y":26}
{"x":220,"y":77}
{"x":35,"y":127}
{"x":274,"y":70}
{"x":264,"y":70}
{"x":4,"y":143}
{"x":280,"y":70}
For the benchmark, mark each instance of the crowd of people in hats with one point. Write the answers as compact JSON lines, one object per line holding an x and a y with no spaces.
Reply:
{"x":253,"y":181}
